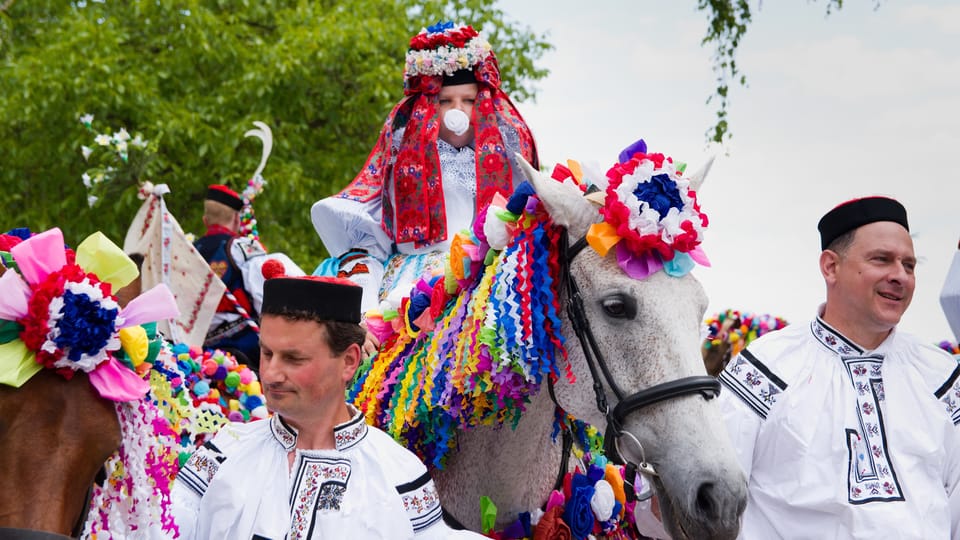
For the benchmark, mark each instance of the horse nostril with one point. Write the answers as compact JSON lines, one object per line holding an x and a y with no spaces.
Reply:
{"x":707,"y":501}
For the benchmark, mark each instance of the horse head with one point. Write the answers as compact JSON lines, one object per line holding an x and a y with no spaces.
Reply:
{"x":641,"y":354}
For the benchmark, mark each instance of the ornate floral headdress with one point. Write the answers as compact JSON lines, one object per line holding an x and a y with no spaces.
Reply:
{"x":61,"y":314}
{"x":443,"y":48}
{"x":651,"y":214}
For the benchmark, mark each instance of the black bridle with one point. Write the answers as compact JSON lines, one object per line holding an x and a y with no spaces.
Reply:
{"x":705,"y":385}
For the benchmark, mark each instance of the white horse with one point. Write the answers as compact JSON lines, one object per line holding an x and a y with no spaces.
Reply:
{"x":647,"y":333}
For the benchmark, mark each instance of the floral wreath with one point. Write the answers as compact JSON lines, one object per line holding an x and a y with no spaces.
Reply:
{"x":442,"y":49}
{"x":651,"y":214}
{"x":61,"y":314}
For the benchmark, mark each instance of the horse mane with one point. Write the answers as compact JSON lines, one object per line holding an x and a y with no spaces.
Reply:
{"x":472,"y":347}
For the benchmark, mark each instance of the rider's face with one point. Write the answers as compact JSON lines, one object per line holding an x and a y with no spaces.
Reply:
{"x":462,"y":97}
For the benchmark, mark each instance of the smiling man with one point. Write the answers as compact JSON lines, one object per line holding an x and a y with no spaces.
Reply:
{"x":314,"y":469}
{"x":845,"y":427}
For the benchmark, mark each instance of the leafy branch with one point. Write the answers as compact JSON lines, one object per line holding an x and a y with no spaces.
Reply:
{"x":728,"y":22}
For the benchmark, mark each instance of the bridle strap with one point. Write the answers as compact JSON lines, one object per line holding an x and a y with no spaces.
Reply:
{"x":704,"y":385}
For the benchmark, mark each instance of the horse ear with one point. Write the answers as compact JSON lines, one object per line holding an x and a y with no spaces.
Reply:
{"x":697,"y":178}
{"x":564,"y":201}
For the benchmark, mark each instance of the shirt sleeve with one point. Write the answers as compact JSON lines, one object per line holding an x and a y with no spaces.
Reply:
{"x":186,"y":508}
{"x":950,"y":296}
{"x":346,"y":224}
{"x":749,"y":390}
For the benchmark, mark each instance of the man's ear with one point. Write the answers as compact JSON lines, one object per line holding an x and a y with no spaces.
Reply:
{"x":351,"y":361}
{"x":829,"y":261}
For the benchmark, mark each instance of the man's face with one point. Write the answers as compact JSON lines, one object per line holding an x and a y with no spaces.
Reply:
{"x":874,"y":279}
{"x":302,"y":379}
{"x":462,"y":97}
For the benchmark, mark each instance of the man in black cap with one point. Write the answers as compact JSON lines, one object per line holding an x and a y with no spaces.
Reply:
{"x":314,"y":469}
{"x":234,"y":326}
{"x":845,"y":427}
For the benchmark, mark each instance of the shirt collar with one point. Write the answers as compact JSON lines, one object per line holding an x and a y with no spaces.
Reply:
{"x":834,"y":340}
{"x":345,"y":435}
{"x":218,"y":229}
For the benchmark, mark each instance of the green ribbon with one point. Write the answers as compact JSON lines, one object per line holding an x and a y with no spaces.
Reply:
{"x":488,"y":514}
{"x":9,"y":330}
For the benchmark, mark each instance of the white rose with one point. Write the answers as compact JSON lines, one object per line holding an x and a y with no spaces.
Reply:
{"x":495,"y":229}
{"x":602,"y":501}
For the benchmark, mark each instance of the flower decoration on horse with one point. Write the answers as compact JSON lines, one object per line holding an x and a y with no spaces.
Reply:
{"x":59,"y":312}
{"x":651,"y":215}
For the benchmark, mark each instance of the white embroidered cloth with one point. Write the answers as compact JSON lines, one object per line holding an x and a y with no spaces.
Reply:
{"x":239,"y":485}
{"x":839,"y":442}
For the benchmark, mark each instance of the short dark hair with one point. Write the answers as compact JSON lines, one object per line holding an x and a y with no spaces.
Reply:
{"x":337,"y":335}
{"x":842,"y":243}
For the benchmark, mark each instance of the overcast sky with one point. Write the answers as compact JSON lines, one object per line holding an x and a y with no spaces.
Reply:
{"x":863,"y":102}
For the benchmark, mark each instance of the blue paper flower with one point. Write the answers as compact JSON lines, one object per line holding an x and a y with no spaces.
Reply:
{"x":440,"y":27}
{"x":660,"y":193}
{"x":85,"y":328}
{"x":577,"y":514}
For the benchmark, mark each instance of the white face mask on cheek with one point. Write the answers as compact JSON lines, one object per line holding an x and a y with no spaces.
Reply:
{"x":456,"y":121}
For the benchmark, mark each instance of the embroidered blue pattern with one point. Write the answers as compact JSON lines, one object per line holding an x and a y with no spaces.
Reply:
{"x":949,"y":395}
{"x":201,"y":467}
{"x":754,"y":383}
{"x":870,"y":474}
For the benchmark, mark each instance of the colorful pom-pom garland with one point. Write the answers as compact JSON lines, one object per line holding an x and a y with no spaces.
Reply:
{"x":738,"y":330}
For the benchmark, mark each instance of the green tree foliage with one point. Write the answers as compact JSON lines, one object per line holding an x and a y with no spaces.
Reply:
{"x":728,"y":22}
{"x":191,"y":76}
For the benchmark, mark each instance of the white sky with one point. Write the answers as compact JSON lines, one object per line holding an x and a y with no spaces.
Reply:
{"x":863,"y":102}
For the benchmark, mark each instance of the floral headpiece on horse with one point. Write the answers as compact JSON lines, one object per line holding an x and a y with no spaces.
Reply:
{"x":59,"y":312}
{"x":437,"y":52}
{"x":652,"y":218}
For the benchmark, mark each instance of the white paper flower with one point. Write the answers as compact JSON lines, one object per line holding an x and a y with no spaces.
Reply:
{"x":86,"y":119}
{"x":86,"y":151}
{"x":495,"y":229}
{"x":603,"y":500}
{"x":87,"y":183}
{"x":121,"y":136}
{"x":102,"y":140}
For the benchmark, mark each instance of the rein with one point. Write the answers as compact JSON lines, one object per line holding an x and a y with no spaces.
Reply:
{"x":704,"y":385}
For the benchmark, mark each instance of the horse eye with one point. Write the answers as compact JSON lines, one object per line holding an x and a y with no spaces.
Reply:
{"x":619,"y":306}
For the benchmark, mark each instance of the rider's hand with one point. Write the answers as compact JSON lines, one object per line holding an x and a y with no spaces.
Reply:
{"x":370,"y":345}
